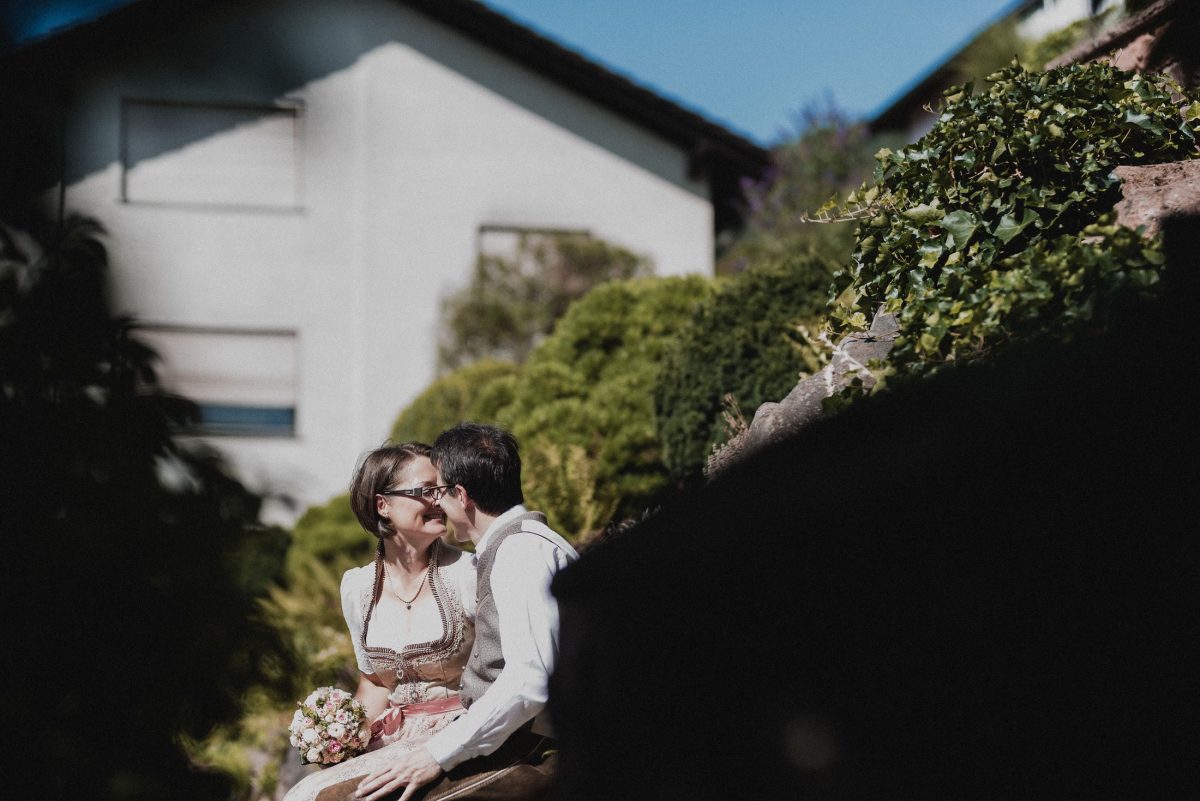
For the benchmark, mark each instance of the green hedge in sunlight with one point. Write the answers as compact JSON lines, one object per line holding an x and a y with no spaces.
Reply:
{"x":475,"y":392}
{"x":583,"y":404}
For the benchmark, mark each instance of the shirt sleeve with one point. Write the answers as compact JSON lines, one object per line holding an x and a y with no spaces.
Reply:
{"x":528,"y":622}
{"x":351,"y":596}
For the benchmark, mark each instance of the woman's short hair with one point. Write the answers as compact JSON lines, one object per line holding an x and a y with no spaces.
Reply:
{"x":484,"y":460}
{"x":377,"y":471}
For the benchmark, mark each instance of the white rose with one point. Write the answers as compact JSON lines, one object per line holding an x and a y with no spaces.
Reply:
{"x":309,"y":736}
{"x":337,"y":696}
{"x":313,"y":755}
{"x":336,"y":730}
{"x":311,"y":700}
{"x":294,"y":740}
{"x":297,"y":718}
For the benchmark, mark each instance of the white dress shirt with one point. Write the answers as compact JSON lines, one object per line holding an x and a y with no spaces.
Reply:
{"x":528,"y":621}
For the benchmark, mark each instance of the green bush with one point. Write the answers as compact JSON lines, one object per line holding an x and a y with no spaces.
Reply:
{"x":512,"y":302}
{"x":829,"y":155}
{"x":582,"y":406}
{"x":329,"y":533}
{"x":475,"y":392}
{"x":1029,"y":164}
{"x":739,"y":342}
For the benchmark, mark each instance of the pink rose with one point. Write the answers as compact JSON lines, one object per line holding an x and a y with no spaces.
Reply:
{"x":333,"y":746}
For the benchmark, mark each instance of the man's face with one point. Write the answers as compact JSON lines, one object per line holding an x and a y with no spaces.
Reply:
{"x":451,"y":504}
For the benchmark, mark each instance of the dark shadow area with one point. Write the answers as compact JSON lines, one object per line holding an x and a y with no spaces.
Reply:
{"x":133,"y":563}
{"x":977,"y":586}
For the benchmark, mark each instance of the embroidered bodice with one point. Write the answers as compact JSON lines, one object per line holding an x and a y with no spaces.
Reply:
{"x":424,"y":669}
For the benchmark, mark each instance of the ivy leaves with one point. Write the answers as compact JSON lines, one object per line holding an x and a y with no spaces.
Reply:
{"x":1021,"y":169}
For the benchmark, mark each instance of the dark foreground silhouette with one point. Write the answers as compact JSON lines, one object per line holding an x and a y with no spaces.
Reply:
{"x":980,"y":586}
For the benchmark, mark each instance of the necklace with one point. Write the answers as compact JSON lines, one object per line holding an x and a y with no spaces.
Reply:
{"x":409,"y":601}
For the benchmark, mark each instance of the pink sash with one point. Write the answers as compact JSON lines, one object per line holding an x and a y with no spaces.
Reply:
{"x":390,"y":721}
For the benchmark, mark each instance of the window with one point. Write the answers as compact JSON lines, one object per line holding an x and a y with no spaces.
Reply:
{"x":512,"y":241}
{"x":244,"y":380}
{"x":224,"y":155}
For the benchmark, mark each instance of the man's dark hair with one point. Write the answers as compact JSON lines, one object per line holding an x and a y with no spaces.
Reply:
{"x":484,"y":460}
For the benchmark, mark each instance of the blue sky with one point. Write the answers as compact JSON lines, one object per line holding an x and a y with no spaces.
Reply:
{"x":749,"y":64}
{"x":752,"y":64}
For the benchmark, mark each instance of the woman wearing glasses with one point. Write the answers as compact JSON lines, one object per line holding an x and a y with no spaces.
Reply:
{"x":409,"y":612}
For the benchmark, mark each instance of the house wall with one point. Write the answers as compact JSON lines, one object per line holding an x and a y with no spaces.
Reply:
{"x":340,"y":231}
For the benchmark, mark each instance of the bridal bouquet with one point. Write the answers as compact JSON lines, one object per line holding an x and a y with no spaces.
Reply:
{"x":330,"y":726}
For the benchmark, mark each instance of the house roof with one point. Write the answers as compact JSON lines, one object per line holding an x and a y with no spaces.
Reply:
{"x":896,"y":114}
{"x":714,"y":150}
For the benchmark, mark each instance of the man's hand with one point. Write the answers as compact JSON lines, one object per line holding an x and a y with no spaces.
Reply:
{"x":411,"y":771}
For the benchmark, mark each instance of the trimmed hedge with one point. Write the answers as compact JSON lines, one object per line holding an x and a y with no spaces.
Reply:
{"x":475,"y":392}
{"x":740,"y":343}
{"x":583,"y":406}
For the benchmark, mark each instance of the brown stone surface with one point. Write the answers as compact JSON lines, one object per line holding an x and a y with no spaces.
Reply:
{"x":1155,"y":192}
{"x":1136,"y":54}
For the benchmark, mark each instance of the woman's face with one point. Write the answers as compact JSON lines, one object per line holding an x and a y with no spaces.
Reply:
{"x":418,"y":518}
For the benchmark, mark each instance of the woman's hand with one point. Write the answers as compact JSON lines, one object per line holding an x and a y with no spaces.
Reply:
{"x":412,"y":771}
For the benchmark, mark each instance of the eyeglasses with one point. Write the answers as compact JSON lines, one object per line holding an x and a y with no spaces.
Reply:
{"x":432,"y":493}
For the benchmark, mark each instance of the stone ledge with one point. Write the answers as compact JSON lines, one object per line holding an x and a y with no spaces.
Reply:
{"x":774,"y":421}
{"x":1152,"y":193}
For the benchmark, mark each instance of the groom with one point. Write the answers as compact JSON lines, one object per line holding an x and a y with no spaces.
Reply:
{"x":495,"y":748}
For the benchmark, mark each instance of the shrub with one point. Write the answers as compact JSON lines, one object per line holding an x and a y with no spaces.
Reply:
{"x":739,"y":343}
{"x":512,"y":302}
{"x":585,"y":395}
{"x":475,"y":392}
{"x":329,"y":533}
{"x":1027,"y":165}
{"x":829,"y":155}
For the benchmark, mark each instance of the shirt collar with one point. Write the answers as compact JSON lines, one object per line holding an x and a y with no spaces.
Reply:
{"x":499,"y":523}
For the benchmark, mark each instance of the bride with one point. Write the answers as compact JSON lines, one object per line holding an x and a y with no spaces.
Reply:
{"x":409,"y":612}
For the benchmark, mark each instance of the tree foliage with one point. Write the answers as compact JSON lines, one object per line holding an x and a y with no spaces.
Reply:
{"x":1037,"y":54}
{"x":582,"y":406}
{"x":138,"y":554}
{"x":1028,"y":164}
{"x":830,"y":155}
{"x":739,"y":342}
{"x":513,"y":300}
{"x":475,"y":392}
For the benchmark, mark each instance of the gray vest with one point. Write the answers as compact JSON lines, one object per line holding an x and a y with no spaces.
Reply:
{"x":487,"y":660}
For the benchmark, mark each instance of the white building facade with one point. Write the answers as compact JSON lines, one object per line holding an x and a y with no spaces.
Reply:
{"x":291,"y":187}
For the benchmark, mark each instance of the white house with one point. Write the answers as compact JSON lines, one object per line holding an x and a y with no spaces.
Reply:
{"x":291,"y":187}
